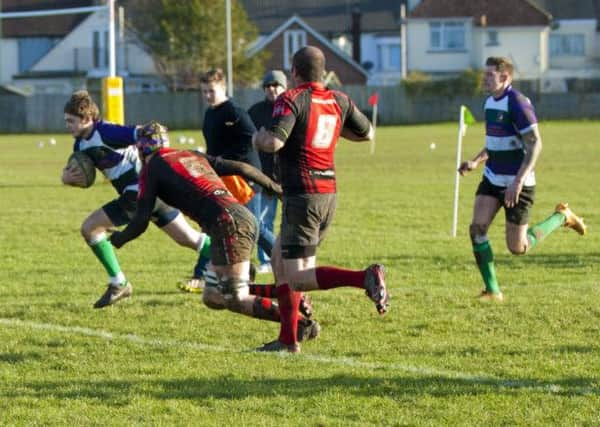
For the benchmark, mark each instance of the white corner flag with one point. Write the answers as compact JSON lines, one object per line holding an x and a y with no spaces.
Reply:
{"x":373,"y":102}
{"x":466,"y":118}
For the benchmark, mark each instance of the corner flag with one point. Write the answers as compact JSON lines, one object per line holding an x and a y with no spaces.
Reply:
{"x":465,"y":119}
{"x":373,"y":102}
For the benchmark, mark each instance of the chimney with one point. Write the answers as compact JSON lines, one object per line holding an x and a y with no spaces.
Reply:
{"x":356,"y":16}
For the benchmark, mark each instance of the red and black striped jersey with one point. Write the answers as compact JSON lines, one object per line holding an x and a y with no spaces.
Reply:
{"x":309,"y":120}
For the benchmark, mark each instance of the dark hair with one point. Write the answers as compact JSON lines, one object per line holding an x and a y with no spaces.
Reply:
{"x":214,"y":75}
{"x":501,"y":64}
{"x":309,"y":63}
{"x":82,"y":105}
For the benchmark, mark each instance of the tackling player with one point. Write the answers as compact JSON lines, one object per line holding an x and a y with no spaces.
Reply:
{"x":512,"y":146}
{"x":110,"y":148}
{"x":189,"y":180}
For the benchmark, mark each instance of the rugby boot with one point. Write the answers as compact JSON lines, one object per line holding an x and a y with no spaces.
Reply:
{"x":306,"y":308}
{"x":277,"y":345}
{"x":113,"y":294}
{"x":486,"y":296}
{"x":572,"y":220}
{"x":375,"y":287}
{"x":195,"y":285}
{"x":308,"y":329}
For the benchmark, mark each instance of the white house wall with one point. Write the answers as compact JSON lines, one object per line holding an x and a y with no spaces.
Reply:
{"x":9,"y":59}
{"x":587,"y":27}
{"x":422,"y":58}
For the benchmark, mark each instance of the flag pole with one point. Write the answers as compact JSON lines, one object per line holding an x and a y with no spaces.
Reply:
{"x":374,"y":121}
{"x":461,"y":132}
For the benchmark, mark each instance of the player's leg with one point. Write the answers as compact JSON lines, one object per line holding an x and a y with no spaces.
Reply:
{"x":485,"y":208}
{"x":266,"y":239}
{"x":94,"y":230}
{"x":174,"y":224}
{"x":519,"y":239}
{"x":268,"y":209}
{"x":562,"y":216}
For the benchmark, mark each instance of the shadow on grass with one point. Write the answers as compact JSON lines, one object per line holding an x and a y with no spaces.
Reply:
{"x":227,"y":388}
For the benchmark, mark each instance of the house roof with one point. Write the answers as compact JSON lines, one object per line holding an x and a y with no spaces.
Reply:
{"x":295,"y":19}
{"x":505,"y":13}
{"x":42,"y":26}
{"x":570,"y":9}
{"x":329,"y":17}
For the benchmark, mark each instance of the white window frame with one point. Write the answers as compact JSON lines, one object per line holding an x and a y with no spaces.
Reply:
{"x":383,"y":56}
{"x":442,"y":28}
{"x":566,"y":40}
{"x":292,"y":41}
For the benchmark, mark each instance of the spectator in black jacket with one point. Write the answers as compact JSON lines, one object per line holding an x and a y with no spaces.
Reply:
{"x":274,"y":83}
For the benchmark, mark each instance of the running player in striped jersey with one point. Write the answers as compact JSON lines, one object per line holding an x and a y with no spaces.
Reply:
{"x":512,"y":147}
{"x":112,"y":149}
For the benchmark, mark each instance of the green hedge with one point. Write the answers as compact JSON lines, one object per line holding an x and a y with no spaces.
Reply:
{"x":467,"y":83}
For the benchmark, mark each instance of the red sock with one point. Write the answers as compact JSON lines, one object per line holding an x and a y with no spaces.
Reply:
{"x":335,"y":277}
{"x":265,"y":308}
{"x":269,"y":291}
{"x":289,"y":302}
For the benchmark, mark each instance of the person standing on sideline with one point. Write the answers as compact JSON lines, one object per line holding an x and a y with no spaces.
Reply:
{"x":274,"y":84}
{"x":111,"y":148}
{"x":307,"y":123}
{"x":512,"y":147}
{"x":228,"y":130}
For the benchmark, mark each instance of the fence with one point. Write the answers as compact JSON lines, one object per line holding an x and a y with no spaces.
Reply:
{"x":185,"y":110}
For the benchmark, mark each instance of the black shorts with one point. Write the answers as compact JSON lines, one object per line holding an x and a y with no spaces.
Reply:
{"x":305,"y":219}
{"x":518,"y":214}
{"x":121,"y":210}
{"x":233,"y":236}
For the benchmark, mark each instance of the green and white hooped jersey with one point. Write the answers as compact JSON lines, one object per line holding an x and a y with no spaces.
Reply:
{"x":506,"y":119}
{"x":112,"y":148}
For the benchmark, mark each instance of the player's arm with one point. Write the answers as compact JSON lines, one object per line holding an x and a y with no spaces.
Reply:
{"x":533,"y":146}
{"x":118,"y":136}
{"x":357,"y":126}
{"x":469,"y":165}
{"x":283,"y":120}
{"x":250,"y":173}
{"x":141,"y":219}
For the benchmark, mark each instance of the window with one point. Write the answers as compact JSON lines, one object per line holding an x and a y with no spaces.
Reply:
{"x":447,"y":35}
{"x":292,"y":41}
{"x":32,"y":49}
{"x":388,"y":57}
{"x":492,"y":38}
{"x":100,"y":49}
{"x":567,"y":45}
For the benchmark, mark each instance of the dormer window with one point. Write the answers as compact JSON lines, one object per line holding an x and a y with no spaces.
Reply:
{"x":292,"y":41}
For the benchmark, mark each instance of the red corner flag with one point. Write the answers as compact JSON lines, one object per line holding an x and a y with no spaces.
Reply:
{"x":373,"y":99}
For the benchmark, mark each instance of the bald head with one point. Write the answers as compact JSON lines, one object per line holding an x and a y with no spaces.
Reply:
{"x":309,"y":64}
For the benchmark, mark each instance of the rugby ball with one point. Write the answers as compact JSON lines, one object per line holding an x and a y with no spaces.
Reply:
{"x":85,"y":164}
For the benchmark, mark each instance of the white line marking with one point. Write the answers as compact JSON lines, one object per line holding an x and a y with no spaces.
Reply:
{"x":340,"y":361}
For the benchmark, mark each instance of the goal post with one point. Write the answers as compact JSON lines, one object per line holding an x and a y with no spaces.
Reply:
{"x":112,"y":85}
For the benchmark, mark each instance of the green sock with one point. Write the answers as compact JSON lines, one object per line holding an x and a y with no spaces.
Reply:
{"x":538,"y":232}
{"x":485,"y":261}
{"x":205,"y":250}
{"x":105,"y":253}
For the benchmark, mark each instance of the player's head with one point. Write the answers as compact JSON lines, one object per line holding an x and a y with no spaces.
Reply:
{"x":274,"y":84}
{"x":80,"y":113}
{"x":151,"y":137}
{"x":498,"y":74}
{"x":214,"y":88}
{"x":308,"y":65}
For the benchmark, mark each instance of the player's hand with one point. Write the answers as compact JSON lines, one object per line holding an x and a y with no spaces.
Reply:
{"x":512,"y":193}
{"x":73,"y":176}
{"x":466,"y":167}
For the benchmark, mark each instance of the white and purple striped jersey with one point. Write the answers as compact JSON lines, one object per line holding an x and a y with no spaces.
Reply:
{"x":112,"y":148}
{"x":506,"y":119}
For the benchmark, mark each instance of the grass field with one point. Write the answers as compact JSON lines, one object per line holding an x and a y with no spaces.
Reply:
{"x":439,"y":357}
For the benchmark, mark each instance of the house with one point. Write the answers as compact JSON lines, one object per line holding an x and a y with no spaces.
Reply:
{"x":336,"y":25}
{"x":447,"y":36}
{"x":295,"y":33}
{"x":56,"y":54}
{"x":574,"y":43}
